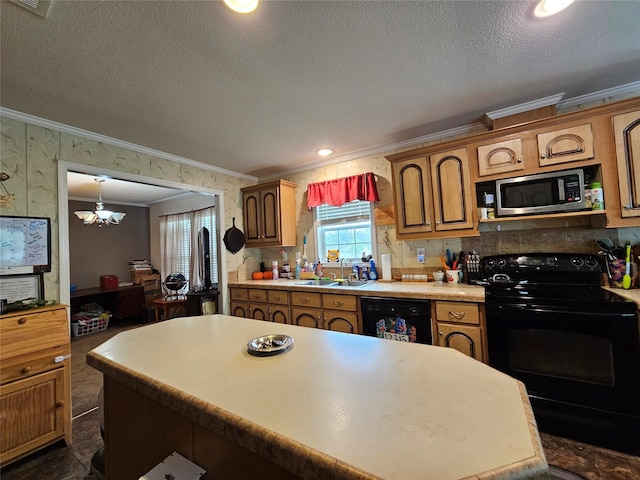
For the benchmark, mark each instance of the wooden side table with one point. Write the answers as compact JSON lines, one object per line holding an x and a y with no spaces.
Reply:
{"x":171,"y":307}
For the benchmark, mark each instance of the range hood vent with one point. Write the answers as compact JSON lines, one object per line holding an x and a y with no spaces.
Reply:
{"x":39,"y":7}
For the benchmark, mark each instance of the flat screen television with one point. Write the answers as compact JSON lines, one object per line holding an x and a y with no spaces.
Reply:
{"x":25,"y":245}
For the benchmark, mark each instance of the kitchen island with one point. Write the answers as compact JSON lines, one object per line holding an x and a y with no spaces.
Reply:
{"x":335,"y":406}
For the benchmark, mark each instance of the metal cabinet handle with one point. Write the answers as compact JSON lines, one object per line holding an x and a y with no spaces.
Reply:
{"x":304,"y":300}
{"x":441,"y":333}
{"x":338,"y":304}
{"x":25,"y":370}
{"x":456,"y":315}
{"x":519,"y":160}
{"x":543,"y":156}
{"x":277,"y":299}
{"x":22,"y":321}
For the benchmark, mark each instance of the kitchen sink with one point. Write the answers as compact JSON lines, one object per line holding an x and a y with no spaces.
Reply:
{"x":325,"y":282}
{"x":352,"y":283}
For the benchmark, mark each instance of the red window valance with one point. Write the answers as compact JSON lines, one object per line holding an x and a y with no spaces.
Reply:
{"x":342,"y":190}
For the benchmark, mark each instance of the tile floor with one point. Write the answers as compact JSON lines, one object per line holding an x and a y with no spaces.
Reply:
{"x":60,"y":462}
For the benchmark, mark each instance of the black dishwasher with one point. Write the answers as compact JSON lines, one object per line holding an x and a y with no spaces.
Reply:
{"x":404,"y":320}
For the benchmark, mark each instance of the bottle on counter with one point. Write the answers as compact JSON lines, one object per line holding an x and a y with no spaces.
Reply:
{"x":274,"y":269}
{"x":373,"y":273}
{"x":365,"y":274}
{"x":319,"y":268}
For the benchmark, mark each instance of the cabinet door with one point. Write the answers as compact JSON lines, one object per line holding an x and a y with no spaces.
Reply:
{"x":270,"y":214}
{"x":252,"y":217}
{"x":238,"y":309}
{"x":464,"y":338}
{"x":341,"y":321}
{"x":500,"y":157}
{"x":627,"y":137}
{"x":306,"y":317}
{"x":32,"y":413}
{"x":279,"y":313}
{"x":451,"y":190}
{"x":258,"y":311}
{"x":131,"y":303}
{"x":567,"y":145}
{"x":412,"y":196}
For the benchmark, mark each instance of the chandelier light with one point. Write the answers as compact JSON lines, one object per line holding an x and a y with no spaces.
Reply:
{"x":102,"y":216}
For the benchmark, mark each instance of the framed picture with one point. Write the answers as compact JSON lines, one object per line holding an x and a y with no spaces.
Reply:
{"x":15,"y":288}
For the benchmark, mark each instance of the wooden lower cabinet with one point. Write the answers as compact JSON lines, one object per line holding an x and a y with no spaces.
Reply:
{"x":136,"y":441}
{"x":460,"y":325}
{"x":32,"y":413}
{"x":35,"y":381}
{"x":306,"y":317}
{"x":303,"y":308}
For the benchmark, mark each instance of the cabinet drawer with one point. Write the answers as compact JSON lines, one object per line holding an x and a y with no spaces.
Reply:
{"x":305,"y":299}
{"x":239,"y":294}
{"x":278,"y":296}
{"x":258,"y":295}
{"x":26,"y":365}
{"x":458,"y":312}
{"x":340,"y":302}
{"x":23,"y":333}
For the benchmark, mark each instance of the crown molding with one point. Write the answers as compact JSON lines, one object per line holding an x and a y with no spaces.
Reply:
{"x":525,"y":107}
{"x":632,"y":88}
{"x":61,"y":127}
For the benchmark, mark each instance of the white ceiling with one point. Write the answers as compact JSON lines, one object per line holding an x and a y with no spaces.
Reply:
{"x":260,"y":94}
{"x":114,"y":191}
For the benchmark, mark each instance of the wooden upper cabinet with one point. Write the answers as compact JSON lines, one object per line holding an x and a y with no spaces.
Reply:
{"x":433,"y":194}
{"x":269,"y":213}
{"x":500,"y":157}
{"x":412,"y":196}
{"x":566,"y":145}
{"x":626,"y":129}
{"x":451,"y":190}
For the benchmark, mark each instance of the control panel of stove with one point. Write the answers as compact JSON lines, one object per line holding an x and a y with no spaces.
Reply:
{"x":541,"y":262}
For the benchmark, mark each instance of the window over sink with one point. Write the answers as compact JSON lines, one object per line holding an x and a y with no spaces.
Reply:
{"x":347,"y":228}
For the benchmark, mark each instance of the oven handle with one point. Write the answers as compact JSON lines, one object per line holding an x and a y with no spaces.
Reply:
{"x":533,"y":308}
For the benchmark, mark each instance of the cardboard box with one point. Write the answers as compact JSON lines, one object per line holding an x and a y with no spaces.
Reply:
{"x":137,"y":274}
{"x":108,"y":281}
{"x":150,"y":281}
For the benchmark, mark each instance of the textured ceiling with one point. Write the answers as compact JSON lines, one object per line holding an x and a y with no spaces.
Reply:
{"x":260,"y":94}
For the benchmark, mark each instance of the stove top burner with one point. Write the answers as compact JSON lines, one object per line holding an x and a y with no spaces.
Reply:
{"x":560,"y":279}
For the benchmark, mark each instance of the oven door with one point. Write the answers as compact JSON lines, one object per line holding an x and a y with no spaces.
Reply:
{"x":581,"y":358}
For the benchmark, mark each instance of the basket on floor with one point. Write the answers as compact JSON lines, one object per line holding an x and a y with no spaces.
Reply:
{"x":90,"y":325}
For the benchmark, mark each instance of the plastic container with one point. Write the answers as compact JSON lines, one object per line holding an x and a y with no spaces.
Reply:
{"x":274,"y":267}
{"x":597,"y":196}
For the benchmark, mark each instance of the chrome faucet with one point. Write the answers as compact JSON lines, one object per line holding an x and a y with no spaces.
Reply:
{"x":342,"y":262}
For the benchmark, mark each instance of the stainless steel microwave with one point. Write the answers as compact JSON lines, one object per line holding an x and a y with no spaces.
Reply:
{"x":552,"y":192}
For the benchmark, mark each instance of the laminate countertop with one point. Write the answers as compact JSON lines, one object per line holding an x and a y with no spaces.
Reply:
{"x":335,"y":406}
{"x":427,"y":290}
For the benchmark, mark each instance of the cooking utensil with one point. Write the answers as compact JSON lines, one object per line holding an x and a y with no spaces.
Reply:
{"x":233,"y":238}
{"x":626,"y":280}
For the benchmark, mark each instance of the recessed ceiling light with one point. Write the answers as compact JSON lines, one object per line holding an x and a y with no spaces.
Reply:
{"x":546,"y":8}
{"x":323,"y":152}
{"x":242,"y":6}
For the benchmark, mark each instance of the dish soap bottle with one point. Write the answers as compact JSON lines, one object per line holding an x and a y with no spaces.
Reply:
{"x":373,"y":273}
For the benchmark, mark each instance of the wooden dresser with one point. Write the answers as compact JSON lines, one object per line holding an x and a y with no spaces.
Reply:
{"x":35,"y":380}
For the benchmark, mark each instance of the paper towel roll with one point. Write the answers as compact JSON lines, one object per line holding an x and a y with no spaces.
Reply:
{"x":385,"y":260}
